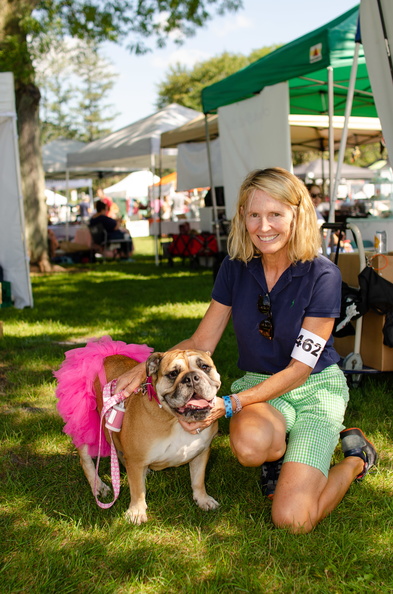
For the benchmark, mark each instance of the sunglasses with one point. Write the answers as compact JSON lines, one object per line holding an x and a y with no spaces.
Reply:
{"x":319,"y":195}
{"x":266,"y":326}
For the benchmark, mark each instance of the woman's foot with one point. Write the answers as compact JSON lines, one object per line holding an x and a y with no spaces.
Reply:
{"x":270,"y":471}
{"x":355,"y":443}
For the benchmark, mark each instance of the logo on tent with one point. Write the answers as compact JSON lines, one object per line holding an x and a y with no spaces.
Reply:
{"x":315,"y":53}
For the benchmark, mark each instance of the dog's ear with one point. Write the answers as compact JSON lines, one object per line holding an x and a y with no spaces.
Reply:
{"x":153,"y":363}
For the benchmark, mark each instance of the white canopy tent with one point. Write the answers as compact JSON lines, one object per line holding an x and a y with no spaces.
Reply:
{"x":136,"y":146}
{"x":134,"y":185}
{"x":307,"y":132}
{"x":54,"y":155}
{"x":13,"y":252}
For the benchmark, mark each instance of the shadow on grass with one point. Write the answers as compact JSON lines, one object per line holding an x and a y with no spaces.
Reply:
{"x":56,"y":539}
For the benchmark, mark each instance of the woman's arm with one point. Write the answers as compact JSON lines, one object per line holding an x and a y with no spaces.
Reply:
{"x":294,"y":375}
{"x":205,"y":338}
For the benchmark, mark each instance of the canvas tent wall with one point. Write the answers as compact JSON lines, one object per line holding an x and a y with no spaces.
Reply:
{"x":136,"y":146}
{"x":376,"y":27}
{"x":13,"y":252}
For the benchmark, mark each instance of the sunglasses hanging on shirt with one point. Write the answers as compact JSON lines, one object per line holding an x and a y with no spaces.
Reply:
{"x":266,"y":326}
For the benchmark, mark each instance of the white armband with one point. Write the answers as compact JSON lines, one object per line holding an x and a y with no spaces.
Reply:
{"x":308,"y":348}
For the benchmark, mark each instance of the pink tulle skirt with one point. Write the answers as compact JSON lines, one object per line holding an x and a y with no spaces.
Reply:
{"x":75,"y":391}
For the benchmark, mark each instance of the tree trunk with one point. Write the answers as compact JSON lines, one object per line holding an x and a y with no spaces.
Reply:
{"x":12,"y":40}
{"x":33,"y":180}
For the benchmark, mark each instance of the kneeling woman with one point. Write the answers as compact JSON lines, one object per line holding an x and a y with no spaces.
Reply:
{"x":287,"y":410}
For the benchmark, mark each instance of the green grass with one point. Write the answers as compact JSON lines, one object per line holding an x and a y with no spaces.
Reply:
{"x":54,"y":538}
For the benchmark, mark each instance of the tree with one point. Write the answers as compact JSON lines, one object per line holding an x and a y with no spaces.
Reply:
{"x":53,"y":77}
{"x":26,"y":28}
{"x":97,"y":78}
{"x":74,"y":79}
{"x":184,"y":85}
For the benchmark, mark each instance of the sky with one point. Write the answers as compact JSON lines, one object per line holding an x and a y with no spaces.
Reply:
{"x":260,"y":23}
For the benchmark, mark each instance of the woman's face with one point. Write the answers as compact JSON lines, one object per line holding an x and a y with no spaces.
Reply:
{"x":268,"y":222}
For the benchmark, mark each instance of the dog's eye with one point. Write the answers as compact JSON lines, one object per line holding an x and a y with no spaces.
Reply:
{"x":205,"y":367}
{"x":173,"y":374}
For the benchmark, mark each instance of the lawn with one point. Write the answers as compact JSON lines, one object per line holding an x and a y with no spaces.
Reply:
{"x":54,"y":538}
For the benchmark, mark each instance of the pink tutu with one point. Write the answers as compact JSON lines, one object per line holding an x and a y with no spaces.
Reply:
{"x":75,"y":391}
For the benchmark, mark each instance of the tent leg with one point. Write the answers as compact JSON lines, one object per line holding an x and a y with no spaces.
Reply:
{"x":331,"y":142}
{"x":348,"y":109}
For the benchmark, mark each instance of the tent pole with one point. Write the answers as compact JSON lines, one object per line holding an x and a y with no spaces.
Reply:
{"x":348,"y":109}
{"x":212,"y":188}
{"x":331,"y":141}
{"x":153,"y":168}
{"x":67,"y":225}
{"x":159,"y":202}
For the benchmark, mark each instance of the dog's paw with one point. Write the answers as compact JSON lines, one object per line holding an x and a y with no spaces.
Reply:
{"x":102,"y":489}
{"x":206,"y":503}
{"x":135,"y":516}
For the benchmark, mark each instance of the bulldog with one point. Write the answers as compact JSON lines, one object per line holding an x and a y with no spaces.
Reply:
{"x":186,"y":383}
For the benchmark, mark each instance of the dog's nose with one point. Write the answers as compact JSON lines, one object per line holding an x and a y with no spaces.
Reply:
{"x":191,"y":378}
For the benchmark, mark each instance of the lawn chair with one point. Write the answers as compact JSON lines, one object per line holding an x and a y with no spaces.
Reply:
{"x":105,"y":248}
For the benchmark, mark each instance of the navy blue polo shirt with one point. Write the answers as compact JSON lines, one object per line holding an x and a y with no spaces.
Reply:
{"x":310,"y":289}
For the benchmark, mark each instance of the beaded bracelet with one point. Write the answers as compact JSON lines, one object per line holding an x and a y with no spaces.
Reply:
{"x":238,"y":403}
{"x":228,"y":406}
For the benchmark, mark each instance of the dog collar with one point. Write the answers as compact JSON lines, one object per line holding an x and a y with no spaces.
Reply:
{"x":151,"y":393}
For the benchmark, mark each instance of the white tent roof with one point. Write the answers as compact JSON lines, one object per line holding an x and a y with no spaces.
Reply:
{"x":135,"y":185}
{"x":54,"y":154}
{"x":319,"y":168}
{"x":308,"y":132}
{"x":136,"y":145}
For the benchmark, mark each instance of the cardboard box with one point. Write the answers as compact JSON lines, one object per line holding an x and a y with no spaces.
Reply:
{"x":349,"y":265}
{"x":372,"y":350}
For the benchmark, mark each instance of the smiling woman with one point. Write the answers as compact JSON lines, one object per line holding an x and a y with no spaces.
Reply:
{"x":287,"y":410}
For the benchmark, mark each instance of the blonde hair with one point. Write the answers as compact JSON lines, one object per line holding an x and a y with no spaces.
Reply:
{"x":305,"y":240}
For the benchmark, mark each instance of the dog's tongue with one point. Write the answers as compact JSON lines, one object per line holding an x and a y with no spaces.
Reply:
{"x":196,"y":402}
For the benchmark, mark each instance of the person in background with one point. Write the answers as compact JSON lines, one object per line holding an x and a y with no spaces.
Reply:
{"x":84,"y":209}
{"x":316,"y":196}
{"x":113,"y":209}
{"x":112,"y":228}
{"x":287,"y":409}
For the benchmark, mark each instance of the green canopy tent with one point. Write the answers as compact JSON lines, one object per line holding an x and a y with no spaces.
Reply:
{"x":325,"y":70}
{"x":303,"y":63}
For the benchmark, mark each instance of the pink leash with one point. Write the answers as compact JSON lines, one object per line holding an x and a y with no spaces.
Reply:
{"x":109,"y":402}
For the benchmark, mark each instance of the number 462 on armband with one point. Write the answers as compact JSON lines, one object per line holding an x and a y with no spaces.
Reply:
{"x":308,"y":347}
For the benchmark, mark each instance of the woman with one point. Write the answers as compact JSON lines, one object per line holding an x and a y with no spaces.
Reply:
{"x":283,"y":298}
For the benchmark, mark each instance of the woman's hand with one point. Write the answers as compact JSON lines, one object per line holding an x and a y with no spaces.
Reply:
{"x":131,"y":380}
{"x":196,"y":427}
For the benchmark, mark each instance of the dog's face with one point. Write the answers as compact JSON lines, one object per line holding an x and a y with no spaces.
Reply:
{"x":185,"y":381}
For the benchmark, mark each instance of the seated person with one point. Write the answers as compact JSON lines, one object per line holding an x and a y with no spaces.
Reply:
{"x":112,"y":228}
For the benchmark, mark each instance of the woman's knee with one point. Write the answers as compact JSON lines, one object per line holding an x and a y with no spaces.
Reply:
{"x":299,"y":521}
{"x":253,"y":448}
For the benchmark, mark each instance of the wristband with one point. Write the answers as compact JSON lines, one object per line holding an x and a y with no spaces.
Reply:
{"x":228,"y":406}
{"x":238,"y":403}
{"x":308,"y":348}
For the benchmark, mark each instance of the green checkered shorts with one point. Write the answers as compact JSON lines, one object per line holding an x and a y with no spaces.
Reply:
{"x":314,"y":413}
